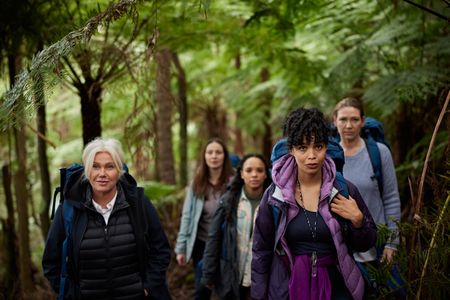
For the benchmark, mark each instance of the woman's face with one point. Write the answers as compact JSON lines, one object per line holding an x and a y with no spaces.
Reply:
{"x":309,"y":157}
{"x":253,"y":173}
{"x":214,"y":155}
{"x":349,"y":123}
{"x":104,"y":175}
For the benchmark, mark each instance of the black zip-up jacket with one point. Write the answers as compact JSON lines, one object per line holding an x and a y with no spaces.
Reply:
{"x":153,"y":250}
{"x":220,"y":259}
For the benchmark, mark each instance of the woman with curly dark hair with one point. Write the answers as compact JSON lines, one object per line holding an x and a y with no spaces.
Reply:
{"x":228,"y":251}
{"x":301,"y":252}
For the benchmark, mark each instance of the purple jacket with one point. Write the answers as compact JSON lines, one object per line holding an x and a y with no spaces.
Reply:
{"x":272,"y":258}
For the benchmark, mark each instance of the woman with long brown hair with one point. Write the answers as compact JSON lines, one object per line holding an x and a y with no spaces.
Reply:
{"x":202,"y":198}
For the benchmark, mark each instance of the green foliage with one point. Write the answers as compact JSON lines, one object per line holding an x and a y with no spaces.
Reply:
{"x":159,"y":193}
{"x":315,"y":52}
{"x":47,"y":61}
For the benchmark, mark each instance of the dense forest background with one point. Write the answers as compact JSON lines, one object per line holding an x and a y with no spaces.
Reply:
{"x":163,"y":76}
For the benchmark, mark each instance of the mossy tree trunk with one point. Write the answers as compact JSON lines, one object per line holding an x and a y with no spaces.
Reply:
{"x":164,"y":100}
{"x":21,"y":192}
{"x":183,"y":119}
{"x":10,"y":237}
{"x":42,"y":158}
{"x":266,"y":106}
{"x":90,"y":98}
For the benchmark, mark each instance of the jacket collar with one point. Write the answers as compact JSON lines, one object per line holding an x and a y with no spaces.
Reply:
{"x":78,"y":190}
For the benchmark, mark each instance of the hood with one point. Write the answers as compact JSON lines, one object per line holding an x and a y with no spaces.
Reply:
{"x":284,"y":176}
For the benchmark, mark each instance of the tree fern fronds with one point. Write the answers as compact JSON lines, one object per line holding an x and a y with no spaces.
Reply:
{"x":48,"y":59}
{"x":439,"y":47}
{"x":418,"y":83}
{"x":397,"y":32}
{"x":346,"y":71}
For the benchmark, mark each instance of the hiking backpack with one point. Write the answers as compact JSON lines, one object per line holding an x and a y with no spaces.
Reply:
{"x":372,"y":132}
{"x":67,"y":213}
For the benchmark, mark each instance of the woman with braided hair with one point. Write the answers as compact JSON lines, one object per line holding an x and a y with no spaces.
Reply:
{"x":299,"y":248}
{"x":228,"y":252}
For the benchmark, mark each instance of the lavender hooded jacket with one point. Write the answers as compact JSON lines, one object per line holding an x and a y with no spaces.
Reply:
{"x":271,"y":255}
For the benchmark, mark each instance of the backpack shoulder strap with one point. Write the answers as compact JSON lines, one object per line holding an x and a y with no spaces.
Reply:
{"x":67,"y":214}
{"x":344,"y":191}
{"x":342,"y":184}
{"x":375,"y":159}
{"x":275,"y":215}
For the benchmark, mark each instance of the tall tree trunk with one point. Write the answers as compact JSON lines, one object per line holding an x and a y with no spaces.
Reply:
{"x":21,"y":192}
{"x":90,"y":96}
{"x":42,"y":157}
{"x":266,"y":106}
{"x":164,"y":117}
{"x":20,"y":184}
{"x":239,"y":142}
{"x":183,"y":113}
{"x":215,"y":124}
{"x":10,"y":241}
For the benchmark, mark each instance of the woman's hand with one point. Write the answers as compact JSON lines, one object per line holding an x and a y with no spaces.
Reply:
{"x":181,"y":259}
{"x":348,"y":209}
{"x":388,"y":255}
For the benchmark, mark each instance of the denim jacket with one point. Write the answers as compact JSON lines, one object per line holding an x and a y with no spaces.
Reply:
{"x":192,"y":211}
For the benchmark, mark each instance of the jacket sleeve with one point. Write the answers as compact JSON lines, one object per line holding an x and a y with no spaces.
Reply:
{"x":390,"y":197}
{"x":262,"y":249}
{"x":51,"y":259}
{"x":185,"y":224}
{"x":212,"y":253}
{"x":363,"y":238}
{"x":158,"y":256}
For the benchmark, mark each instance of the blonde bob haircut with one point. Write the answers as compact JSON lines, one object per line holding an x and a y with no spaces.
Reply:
{"x":99,"y":145}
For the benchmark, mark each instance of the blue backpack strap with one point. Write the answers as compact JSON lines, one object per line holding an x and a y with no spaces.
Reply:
{"x":276,"y":221}
{"x":342,"y":184}
{"x":375,"y":159}
{"x":336,"y":153}
{"x":67,"y":218}
{"x":372,"y":133}
{"x":275,"y":215}
{"x":343,"y":190}
{"x":67,"y":212}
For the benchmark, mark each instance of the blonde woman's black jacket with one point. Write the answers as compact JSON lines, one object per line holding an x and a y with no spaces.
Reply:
{"x":133,"y":208}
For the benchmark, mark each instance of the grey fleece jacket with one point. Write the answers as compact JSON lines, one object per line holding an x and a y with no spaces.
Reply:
{"x":384,"y":210}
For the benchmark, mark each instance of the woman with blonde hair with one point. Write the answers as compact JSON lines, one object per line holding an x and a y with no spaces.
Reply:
{"x":117,"y":246}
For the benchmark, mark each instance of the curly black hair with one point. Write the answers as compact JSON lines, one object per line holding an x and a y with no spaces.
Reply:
{"x":305,"y":125}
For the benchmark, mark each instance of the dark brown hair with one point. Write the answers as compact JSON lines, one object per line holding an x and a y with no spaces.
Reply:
{"x":238,"y":182}
{"x":201,"y":179}
{"x":349,"y":102}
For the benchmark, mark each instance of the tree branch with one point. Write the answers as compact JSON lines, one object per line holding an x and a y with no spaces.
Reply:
{"x":428,"y":10}
{"x":72,"y":70}
{"x":49,"y":58}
